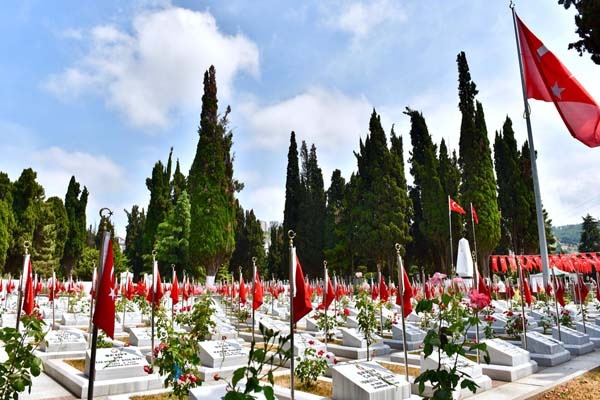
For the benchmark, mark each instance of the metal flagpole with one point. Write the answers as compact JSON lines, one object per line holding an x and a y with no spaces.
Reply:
{"x":379,"y":295}
{"x":22,"y":282}
{"x":581,"y":301}
{"x":450,"y":229}
{"x":54,"y":297}
{"x":253,"y":292}
{"x":292,"y":235}
{"x":476,"y":285}
{"x":556,"y":303}
{"x":532,"y":155}
{"x":325,"y":299}
{"x":401,"y":293}
{"x":522,"y":295}
{"x":154,"y":285}
{"x":172,"y":302}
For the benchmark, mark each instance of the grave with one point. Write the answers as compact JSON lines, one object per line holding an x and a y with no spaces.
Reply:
{"x":302,"y":341}
{"x":131,"y":319}
{"x":593,"y":332}
{"x":311,"y":325}
{"x":368,"y":381}
{"x":221,"y":357}
{"x":351,"y":322}
{"x":118,"y":371}
{"x":354,"y":345}
{"x":545,"y":350}
{"x":414,"y":337}
{"x":577,"y":343}
{"x":75,"y":319}
{"x":141,"y":337}
{"x":63,"y":344}
{"x":507,"y":361}
{"x":463,"y":364}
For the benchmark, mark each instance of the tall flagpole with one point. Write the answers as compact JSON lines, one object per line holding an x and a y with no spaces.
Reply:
{"x":532,"y":155}
{"x":556,"y":303}
{"x":253,"y":292}
{"x":522,"y":295}
{"x":401,"y":293}
{"x":450,"y":229}
{"x":292,"y":235}
{"x":154,"y":286}
{"x":22,"y":282}
{"x":325,"y":299}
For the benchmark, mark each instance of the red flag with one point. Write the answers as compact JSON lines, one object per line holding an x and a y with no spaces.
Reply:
{"x":560,"y":293}
{"x":243,"y":297}
{"x":383,"y":289}
{"x":156,"y":291}
{"x":474,"y":214}
{"x":53,"y":287}
{"x":329,"y":292}
{"x":130,"y":289}
{"x":27,"y":287}
{"x":257,"y":295}
{"x":597,"y":290}
{"x":581,"y":289}
{"x":104,"y":312}
{"x":374,"y":291}
{"x":301,"y":299}
{"x":94,"y":283}
{"x":175,"y":289}
{"x":404,"y":297}
{"x":509,"y":291}
{"x":526,"y":290}
{"x":453,"y":206}
{"x":547,"y":79}
{"x":482,"y":287}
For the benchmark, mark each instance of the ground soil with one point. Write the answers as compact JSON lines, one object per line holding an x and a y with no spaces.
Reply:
{"x":585,"y":387}
{"x":320,"y":388}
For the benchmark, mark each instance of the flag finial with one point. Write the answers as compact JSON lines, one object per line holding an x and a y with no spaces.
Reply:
{"x":26,"y":245}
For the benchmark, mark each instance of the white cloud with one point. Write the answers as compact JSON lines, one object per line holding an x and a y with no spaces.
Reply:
{"x":360,"y":18}
{"x":267,"y":202}
{"x":157,"y":69}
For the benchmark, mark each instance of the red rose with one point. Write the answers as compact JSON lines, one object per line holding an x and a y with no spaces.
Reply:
{"x":216,"y":377}
{"x":148,"y":369}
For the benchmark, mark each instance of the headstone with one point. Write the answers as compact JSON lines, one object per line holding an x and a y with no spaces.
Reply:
{"x":140,"y":337}
{"x":63,"y":341}
{"x":367,"y":381}
{"x":593,"y":332}
{"x":353,"y":338}
{"x":75,"y":319}
{"x":504,"y":353}
{"x":222,"y":353}
{"x":277,"y":326}
{"x":351,"y":322}
{"x":131,"y":318}
{"x":311,"y":325}
{"x":463,"y":364}
{"x":577,"y":343}
{"x":413,"y":333}
{"x":117,"y":363}
{"x":545,"y":350}
{"x":303,"y":341}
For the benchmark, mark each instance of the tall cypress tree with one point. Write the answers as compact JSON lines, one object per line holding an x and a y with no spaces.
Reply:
{"x":336,"y":247}
{"x":75,"y":204}
{"x":449,"y":174}
{"x":311,"y":215}
{"x":160,"y":203}
{"x":478,"y":184}
{"x":61,"y":222}
{"x":430,"y":224}
{"x":277,"y":247}
{"x":178,"y":183}
{"x":530,"y":239}
{"x":211,"y":187}
{"x":134,"y":239}
{"x":7,"y":218}
{"x":293,"y":192}
{"x":172,"y":237}
{"x":590,"y":235}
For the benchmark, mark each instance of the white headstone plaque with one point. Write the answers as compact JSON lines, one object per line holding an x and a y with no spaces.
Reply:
{"x":222,"y":353}
{"x":117,"y":363}
{"x":367,"y":381}
{"x":63,"y":340}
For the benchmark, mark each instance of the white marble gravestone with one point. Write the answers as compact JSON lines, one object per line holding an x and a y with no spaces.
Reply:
{"x":140,"y":337}
{"x":545,"y":350}
{"x":117,"y":363}
{"x":593,"y":332}
{"x":222,"y":353}
{"x":63,"y":341}
{"x":463,"y":364}
{"x":507,"y":361}
{"x":75,"y":319}
{"x":354,"y":338}
{"x":367,"y":381}
{"x":577,"y":343}
{"x":302,"y":341}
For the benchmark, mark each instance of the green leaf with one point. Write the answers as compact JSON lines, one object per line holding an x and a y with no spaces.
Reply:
{"x":269,"y":393}
{"x":238,"y":374}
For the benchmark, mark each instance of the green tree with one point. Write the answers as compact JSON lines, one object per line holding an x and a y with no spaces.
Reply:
{"x":7,"y":219}
{"x":449,"y":174}
{"x":211,"y":187}
{"x":159,"y":186}
{"x":311,"y":214}
{"x":336,"y":247}
{"x":587,"y":21}
{"x":49,"y":237}
{"x":178,"y":183}
{"x":430,"y":203}
{"x":75,"y":204}
{"x":293,"y":196}
{"x":478,"y":184}
{"x":530,"y":239}
{"x":172,"y":238}
{"x":61,"y":222}
{"x":590,"y":235}
{"x":134,"y":239}
{"x":28,"y":200}
{"x":249,"y":242}
{"x":277,"y":247}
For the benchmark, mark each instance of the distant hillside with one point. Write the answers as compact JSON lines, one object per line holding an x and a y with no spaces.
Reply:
{"x":568,"y":235}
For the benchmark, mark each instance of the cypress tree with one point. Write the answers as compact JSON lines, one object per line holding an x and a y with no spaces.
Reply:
{"x":241,"y":253}
{"x":430,"y":224}
{"x":336,"y":247}
{"x":159,"y":186}
{"x":478,"y":184}
{"x":75,"y":204}
{"x":590,"y":235}
{"x":211,"y":187}
{"x":293,"y":194}
{"x":449,"y":174}
{"x":530,"y":239}
{"x":172,"y":237}
{"x":134,"y":239}
{"x":7,"y":219}
{"x":178,"y":183}
{"x":277,"y":247}
{"x":61,"y":222}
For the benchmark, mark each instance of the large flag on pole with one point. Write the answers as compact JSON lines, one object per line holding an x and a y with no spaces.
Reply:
{"x":547,"y":79}
{"x":243,"y":297}
{"x":453,"y":206}
{"x":175,"y":288}
{"x":156,"y":291}
{"x":301,"y":298}
{"x":104,"y":312}
{"x":257,"y":295}
{"x":27,"y":286}
{"x":329,"y":291}
{"x":404,"y":297}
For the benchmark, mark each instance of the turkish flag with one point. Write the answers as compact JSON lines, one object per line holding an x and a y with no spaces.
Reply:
{"x":130,"y":290}
{"x":581,"y":290}
{"x":175,"y":289}
{"x":156,"y":291}
{"x":560,"y":293}
{"x":453,"y":206}
{"x":104,"y":312}
{"x":329,"y":293}
{"x":547,"y":79}
{"x":374,"y":291}
{"x":384,"y":295}
{"x":27,"y":286}
{"x":301,"y":298}
{"x":404,"y":297}
{"x":257,"y":295}
{"x":243,"y":297}
{"x":482,"y":287}
{"x":474,"y":214}
{"x":526,"y":290}
{"x":53,"y":287}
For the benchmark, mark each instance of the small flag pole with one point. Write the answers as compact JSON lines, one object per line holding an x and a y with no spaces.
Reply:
{"x":105,"y":239}
{"x":154,"y":287}
{"x":581,"y":301}
{"x":292,"y":235}
{"x":22,"y":282}
{"x":522,"y":293}
{"x":253,"y":293}
{"x":172,"y":302}
{"x":379,"y":294}
{"x":54,"y":297}
{"x":556,"y":302}
{"x":94,"y":287}
{"x":325,"y":299}
{"x":401,"y":293}
{"x":476,"y":285}
{"x":450,"y":229}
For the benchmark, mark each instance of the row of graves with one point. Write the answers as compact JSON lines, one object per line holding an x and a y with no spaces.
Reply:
{"x":383,"y":366}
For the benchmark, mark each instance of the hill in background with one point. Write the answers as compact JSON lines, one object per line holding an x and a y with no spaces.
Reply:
{"x":568,"y":236}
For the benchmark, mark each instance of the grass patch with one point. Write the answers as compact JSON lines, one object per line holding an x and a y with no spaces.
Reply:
{"x":399,"y":368}
{"x":584,"y":387}
{"x":320,"y":388}
{"x":77,"y":363}
{"x":157,"y":396}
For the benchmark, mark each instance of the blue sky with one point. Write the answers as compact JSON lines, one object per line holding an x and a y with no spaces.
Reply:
{"x":102,"y":90}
